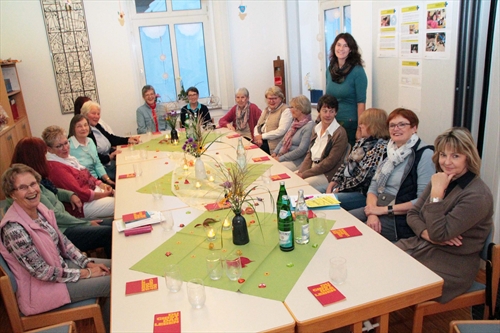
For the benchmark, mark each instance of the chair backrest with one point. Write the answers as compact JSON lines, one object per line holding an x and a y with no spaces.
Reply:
{"x":9,"y":273}
{"x":7,"y":291}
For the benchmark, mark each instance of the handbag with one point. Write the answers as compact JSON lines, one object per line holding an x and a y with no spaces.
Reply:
{"x":385,"y":199}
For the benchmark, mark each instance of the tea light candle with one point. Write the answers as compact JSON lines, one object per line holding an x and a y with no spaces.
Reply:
{"x":227,"y":224}
{"x":210,"y":233}
{"x":211,"y":178}
{"x":167,"y":136}
{"x":175,"y":142}
{"x":185,"y":167}
{"x":198,"y":185}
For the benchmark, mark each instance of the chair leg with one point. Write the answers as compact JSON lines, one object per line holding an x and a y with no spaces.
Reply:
{"x":418,"y":320}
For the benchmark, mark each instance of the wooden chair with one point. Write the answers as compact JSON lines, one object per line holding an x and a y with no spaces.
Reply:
{"x":70,"y":312}
{"x":478,"y":294}
{"x":67,"y":327}
{"x":474,"y":326}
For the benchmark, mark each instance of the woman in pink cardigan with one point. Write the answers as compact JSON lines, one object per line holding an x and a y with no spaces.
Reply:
{"x":242,"y":117}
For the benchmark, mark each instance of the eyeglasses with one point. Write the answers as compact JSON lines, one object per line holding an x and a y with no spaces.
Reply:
{"x":399,"y":125}
{"x":62,"y":145}
{"x":24,"y":187}
{"x":272,"y":98}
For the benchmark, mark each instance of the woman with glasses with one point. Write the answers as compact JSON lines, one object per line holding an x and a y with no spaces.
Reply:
{"x":346,"y":80}
{"x":292,"y":149}
{"x":327,"y":148}
{"x":195,"y":108}
{"x":399,"y":180}
{"x":242,"y":117}
{"x":150,"y":116}
{"x":49,"y":270}
{"x":67,"y":173}
{"x":274,"y":121}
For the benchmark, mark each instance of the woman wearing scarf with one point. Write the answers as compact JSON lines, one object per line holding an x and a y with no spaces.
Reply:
{"x":328,"y":147}
{"x":399,"y":180}
{"x":346,"y":80}
{"x":274,"y":121}
{"x":353,"y":178}
{"x":147,"y":115}
{"x":67,"y":173}
{"x":293,"y":148}
{"x":242,"y":117}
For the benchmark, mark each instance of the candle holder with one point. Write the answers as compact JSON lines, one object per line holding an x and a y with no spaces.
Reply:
{"x":198,"y":185}
{"x":226,"y":225}
{"x":211,"y":178}
{"x":210,"y":231}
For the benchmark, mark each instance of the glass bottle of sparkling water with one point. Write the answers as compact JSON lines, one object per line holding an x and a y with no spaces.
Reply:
{"x":301,"y":220}
{"x":281,"y":193}
{"x":285,"y":226}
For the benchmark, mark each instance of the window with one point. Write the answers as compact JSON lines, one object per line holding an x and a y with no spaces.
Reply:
{"x":336,"y":19}
{"x":174,"y":38}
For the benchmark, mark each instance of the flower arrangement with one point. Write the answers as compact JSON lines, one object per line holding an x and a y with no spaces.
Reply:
{"x":171,"y":119}
{"x":197,"y":144}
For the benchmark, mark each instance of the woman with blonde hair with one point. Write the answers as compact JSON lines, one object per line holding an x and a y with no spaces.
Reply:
{"x":453,"y":216}
{"x":353,"y":178}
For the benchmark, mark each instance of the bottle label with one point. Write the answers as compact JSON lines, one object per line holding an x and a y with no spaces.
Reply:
{"x":283,"y":214}
{"x":286,"y":239}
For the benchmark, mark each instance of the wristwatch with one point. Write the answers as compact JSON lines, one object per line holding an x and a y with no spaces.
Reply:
{"x":436,"y":199}
{"x":390,"y":210}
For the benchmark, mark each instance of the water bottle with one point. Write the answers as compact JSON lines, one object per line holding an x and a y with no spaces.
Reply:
{"x":281,"y":193}
{"x":301,"y":220}
{"x":285,"y":226}
{"x":241,"y":157}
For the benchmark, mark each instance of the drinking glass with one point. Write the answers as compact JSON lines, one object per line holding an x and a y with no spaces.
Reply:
{"x":156,"y":191}
{"x":319,"y":223}
{"x":173,"y":278}
{"x":137,"y":169}
{"x":233,"y":267}
{"x":196,"y":293}
{"x":338,"y":270}
{"x":144,"y":154}
{"x":167,"y":221}
{"x":214,"y":266}
{"x":266,"y":177}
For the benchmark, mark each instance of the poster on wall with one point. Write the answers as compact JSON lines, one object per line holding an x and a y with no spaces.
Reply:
{"x":410,"y":32}
{"x":387,"y":36}
{"x":438,"y":30}
{"x":410,"y":84}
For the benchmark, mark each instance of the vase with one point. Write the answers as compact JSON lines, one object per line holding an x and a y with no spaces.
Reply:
{"x":240,"y":230}
{"x":199,"y":169}
{"x":174,"y":135}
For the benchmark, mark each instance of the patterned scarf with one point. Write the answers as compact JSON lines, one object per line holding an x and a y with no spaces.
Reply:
{"x":242,"y":116}
{"x":287,"y":140}
{"x":395,"y":156}
{"x":153,"y":111}
{"x":339,"y":74}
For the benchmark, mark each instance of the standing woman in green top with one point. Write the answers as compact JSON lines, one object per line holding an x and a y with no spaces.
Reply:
{"x":346,"y":81}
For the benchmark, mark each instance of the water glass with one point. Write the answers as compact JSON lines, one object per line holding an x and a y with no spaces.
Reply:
{"x":196,"y":293}
{"x":156,"y":191}
{"x":167,"y":221}
{"x":214,"y":266}
{"x":266,"y":177}
{"x":338,"y":270}
{"x":233,"y":267}
{"x":137,"y":169}
{"x":144,"y":154}
{"x":173,"y":278}
{"x":319,"y":223}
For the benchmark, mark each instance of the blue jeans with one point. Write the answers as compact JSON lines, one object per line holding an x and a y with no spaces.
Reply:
{"x":351,"y":200}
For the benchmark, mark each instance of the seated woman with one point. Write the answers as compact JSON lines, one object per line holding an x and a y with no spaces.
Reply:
{"x":85,"y":234}
{"x":293,"y":147}
{"x":195,"y":108}
{"x":453,"y":216}
{"x":84,"y":149}
{"x":399,"y":180}
{"x":105,"y":142}
{"x":353,"y":178}
{"x":66,"y":172}
{"x":327,"y":148}
{"x":150,"y":117}
{"x":273,"y":122}
{"x":49,"y":270}
{"x":242,"y":117}
{"x":79,"y":101}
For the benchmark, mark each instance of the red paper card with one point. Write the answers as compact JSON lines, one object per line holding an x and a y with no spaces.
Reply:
{"x":167,"y":322}
{"x":139,"y":230}
{"x":132,"y":217}
{"x":260,"y":159}
{"x":310,"y":214}
{"x":127,"y":175}
{"x":216,"y":206}
{"x":232,"y":136}
{"x":280,"y":176}
{"x":141,"y":286}
{"x":346,"y":232}
{"x":251,"y":147}
{"x":326,"y":293}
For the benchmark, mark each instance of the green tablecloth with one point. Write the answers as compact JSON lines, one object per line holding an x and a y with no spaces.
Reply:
{"x":270,"y":273}
{"x":155,"y":145}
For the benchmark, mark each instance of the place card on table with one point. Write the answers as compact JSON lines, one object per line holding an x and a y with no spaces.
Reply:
{"x":167,"y":322}
{"x":261,"y":159}
{"x":127,"y":175}
{"x":326,"y":293}
{"x":346,"y":232}
{"x":141,"y":286}
{"x":310,"y":214}
{"x":216,"y":206}
{"x":251,"y":147}
{"x":281,"y":176}
{"x":233,"y":136}
{"x":139,"y":230}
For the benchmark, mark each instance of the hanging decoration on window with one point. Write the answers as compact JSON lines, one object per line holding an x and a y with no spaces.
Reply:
{"x":242,"y":8}
{"x":121,"y":14}
{"x":69,"y":45}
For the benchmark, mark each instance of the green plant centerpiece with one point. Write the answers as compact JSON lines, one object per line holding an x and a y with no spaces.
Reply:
{"x":171,"y":119}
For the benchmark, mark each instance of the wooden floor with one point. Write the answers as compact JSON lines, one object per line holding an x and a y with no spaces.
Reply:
{"x":399,"y":322}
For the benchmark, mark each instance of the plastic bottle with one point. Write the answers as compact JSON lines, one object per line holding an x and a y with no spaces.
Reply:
{"x":285,"y":226}
{"x":241,"y":157}
{"x":301,"y":220}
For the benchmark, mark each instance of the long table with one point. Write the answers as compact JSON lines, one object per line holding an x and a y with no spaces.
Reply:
{"x":381,"y":278}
